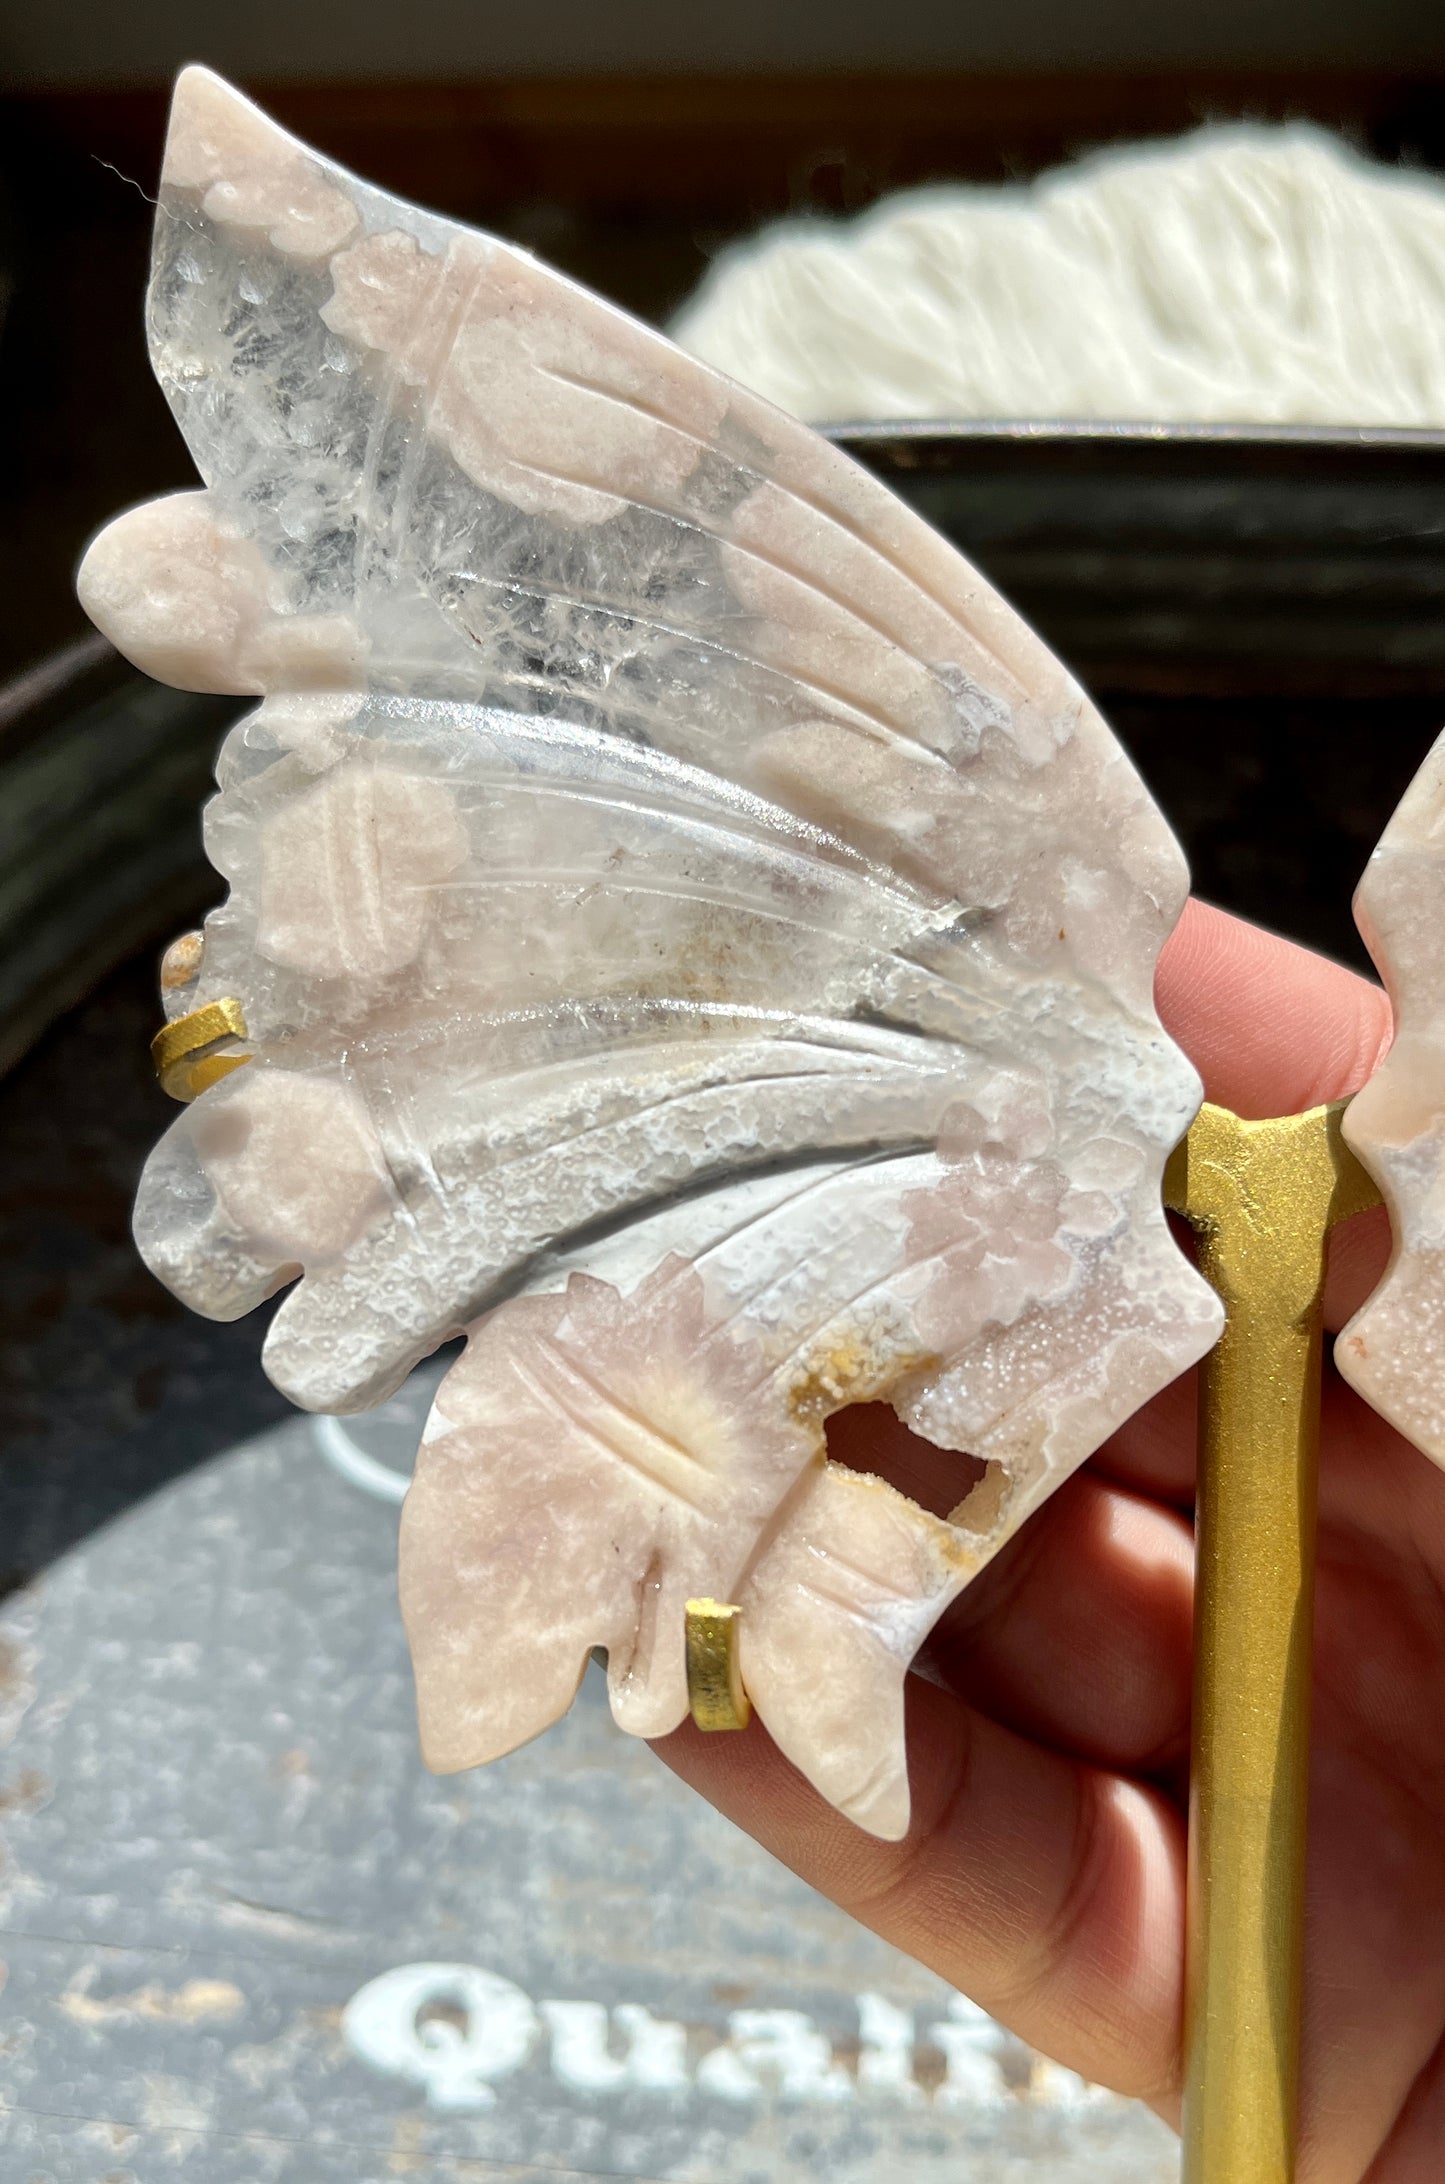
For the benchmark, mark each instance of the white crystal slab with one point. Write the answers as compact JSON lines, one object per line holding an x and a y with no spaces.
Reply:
{"x":694,"y":938}
{"x":1393,"y":1350}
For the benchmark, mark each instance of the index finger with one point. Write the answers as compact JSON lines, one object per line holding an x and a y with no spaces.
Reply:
{"x":1274,"y":1029}
{"x":1271,"y":1027}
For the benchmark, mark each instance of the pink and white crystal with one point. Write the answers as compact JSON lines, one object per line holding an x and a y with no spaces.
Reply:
{"x":695,"y":941}
{"x":1393,"y":1350}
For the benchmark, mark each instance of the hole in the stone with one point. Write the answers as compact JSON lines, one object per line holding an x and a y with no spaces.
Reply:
{"x":870,"y":1437}
{"x":981,"y":1507}
{"x":443,"y":2012}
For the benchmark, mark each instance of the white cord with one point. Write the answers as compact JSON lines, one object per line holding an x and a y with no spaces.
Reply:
{"x":1250,"y":273}
{"x":355,"y":1466}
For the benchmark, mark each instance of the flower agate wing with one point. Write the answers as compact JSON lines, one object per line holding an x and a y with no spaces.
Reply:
{"x":693,"y":938}
{"x":1393,"y":1350}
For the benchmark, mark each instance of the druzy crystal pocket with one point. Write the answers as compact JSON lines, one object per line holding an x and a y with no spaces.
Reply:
{"x":690,"y":936}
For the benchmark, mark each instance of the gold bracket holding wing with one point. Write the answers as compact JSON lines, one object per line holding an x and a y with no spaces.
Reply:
{"x":714,"y":1677}
{"x":196,"y":1050}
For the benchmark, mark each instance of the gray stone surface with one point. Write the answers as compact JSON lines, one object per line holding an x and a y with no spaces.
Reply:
{"x":217,"y":1835}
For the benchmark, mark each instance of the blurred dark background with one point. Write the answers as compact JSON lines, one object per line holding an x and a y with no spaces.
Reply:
{"x":626,"y":145}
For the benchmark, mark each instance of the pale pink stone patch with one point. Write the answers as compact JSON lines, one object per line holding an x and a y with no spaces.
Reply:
{"x":250,"y":173}
{"x":990,"y":1236}
{"x":179,"y":592}
{"x":294,"y":1161}
{"x":1393,"y":1350}
{"x":530,"y":402}
{"x":843,"y":1595}
{"x":184,"y":596}
{"x":347,"y":870}
{"x":593,"y":1463}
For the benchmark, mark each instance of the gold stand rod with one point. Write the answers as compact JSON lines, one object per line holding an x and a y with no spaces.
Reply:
{"x":1261,"y":1197}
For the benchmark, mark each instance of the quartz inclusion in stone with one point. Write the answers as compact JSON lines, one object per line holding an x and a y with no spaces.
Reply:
{"x":1393,"y":1350}
{"x":694,"y":939}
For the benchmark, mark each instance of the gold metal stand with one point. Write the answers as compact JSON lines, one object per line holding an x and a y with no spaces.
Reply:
{"x":1261,"y":1197}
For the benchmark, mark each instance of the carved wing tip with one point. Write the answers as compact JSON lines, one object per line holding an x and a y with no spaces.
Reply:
{"x":249,"y":173}
{"x":201,"y":95}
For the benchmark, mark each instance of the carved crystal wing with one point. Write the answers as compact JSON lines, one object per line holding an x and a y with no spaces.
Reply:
{"x":692,"y":937}
{"x":1393,"y":1350}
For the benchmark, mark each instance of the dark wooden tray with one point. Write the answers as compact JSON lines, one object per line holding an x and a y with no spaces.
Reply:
{"x":1199,"y":559}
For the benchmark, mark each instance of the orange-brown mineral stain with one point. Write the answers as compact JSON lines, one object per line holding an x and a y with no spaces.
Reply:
{"x":849,"y":1370}
{"x":182,"y":961}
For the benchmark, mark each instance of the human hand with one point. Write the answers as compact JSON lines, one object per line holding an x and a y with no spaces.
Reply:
{"x":1043,"y":1874}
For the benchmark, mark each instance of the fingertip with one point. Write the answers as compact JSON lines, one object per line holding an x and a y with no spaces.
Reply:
{"x":1271,"y":1027}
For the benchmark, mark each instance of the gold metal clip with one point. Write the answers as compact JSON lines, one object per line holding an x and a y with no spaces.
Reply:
{"x":192,"y":1051}
{"x":714,"y":1679}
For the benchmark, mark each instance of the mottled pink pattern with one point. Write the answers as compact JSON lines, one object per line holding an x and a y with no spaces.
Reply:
{"x":294,"y":1161}
{"x":1393,"y":1350}
{"x":348,"y":870}
{"x":249,"y":175}
{"x":692,"y":935}
{"x":842,"y":1596}
{"x":198,"y":606}
{"x":593,"y":1462}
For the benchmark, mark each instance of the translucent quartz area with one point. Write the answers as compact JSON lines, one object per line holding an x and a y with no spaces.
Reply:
{"x":1393,"y":1350}
{"x":694,"y":939}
